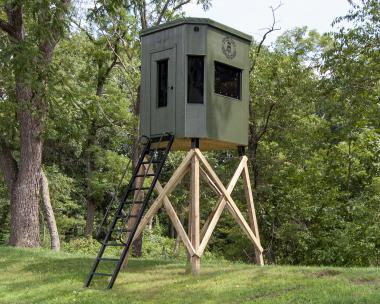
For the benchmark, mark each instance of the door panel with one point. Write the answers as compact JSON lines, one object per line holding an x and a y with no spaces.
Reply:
{"x":162,"y":92}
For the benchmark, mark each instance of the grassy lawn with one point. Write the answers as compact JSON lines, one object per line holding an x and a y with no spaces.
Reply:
{"x":40,"y":276}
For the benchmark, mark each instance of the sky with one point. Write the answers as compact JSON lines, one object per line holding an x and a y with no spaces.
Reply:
{"x":252,"y":16}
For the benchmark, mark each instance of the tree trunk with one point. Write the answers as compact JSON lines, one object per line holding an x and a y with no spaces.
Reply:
{"x":178,"y":238}
{"x":150,"y":224}
{"x":90,"y":217}
{"x":90,"y":166}
{"x":90,"y":204}
{"x":25,"y":230}
{"x":49,"y":213}
{"x":252,"y":153}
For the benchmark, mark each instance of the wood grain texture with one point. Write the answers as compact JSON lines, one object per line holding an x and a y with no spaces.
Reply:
{"x":213,"y":219}
{"x":252,"y":213}
{"x":194,"y":218}
{"x":234,"y":210}
{"x":174,"y":180}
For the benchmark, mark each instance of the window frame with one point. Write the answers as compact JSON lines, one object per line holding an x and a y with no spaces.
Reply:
{"x":163,"y":104}
{"x":240,"y":84}
{"x":193,"y":101}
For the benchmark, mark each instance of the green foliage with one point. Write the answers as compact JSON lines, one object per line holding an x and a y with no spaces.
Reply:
{"x":155,"y":245}
{"x":87,"y":246}
{"x":67,"y":201}
{"x":317,"y":163}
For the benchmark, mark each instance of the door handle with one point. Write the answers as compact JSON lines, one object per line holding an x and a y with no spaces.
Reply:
{"x":171,"y":87}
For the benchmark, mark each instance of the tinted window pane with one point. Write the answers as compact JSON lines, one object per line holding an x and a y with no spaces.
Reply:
{"x":162,"y":83}
{"x":195,"y":79}
{"x":227,"y":80}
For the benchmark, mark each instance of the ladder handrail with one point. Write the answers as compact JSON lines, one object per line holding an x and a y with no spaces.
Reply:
{"x":110,"y":204}
{"x":132,"y":228}
{"x":139,"y":217}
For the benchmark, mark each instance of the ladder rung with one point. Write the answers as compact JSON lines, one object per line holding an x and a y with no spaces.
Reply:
{"x":121,"y":230}
{"x":127,"y":216}
{"x":142,"y":175}
{"x":152,"y":158}
{"x":108,"y":259}
{"x":113,"y":244}
{"x":136,"y":202}
{"x":151,"y":162}
{"x":133,"y":202}
{"x":142,"y":188}
{"x":103,"y":274}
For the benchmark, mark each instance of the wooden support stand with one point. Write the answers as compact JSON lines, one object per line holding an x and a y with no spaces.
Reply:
{"x":197,"y":239}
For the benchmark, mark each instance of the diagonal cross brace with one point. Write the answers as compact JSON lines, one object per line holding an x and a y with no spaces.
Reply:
{"x":163,"y":199}
{"x":234,"y":210}
{"x":213,"y":219}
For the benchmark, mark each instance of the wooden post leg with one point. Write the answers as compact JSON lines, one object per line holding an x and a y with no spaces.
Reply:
{"x":252,"y":213}
{"x":194,"y":217}
{"x":188,"y":262}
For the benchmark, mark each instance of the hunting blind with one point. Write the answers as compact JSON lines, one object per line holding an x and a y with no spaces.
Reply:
{"x":195,"y":83}
{"x":194,"y":96}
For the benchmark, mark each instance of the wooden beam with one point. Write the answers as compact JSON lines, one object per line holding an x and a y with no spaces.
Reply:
{"x":230,"y":187}
{"x":252,"y":213}
{"x":178,"y":226}
{"x":213,"y":219}
{"x":234,"y":210}
{"x":210,"y":182}
{"x":173,"y":181}
{"x":173,"y":215}
{"x":194,"y":218}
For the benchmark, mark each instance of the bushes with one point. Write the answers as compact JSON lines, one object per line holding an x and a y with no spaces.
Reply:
{"x":155,"y":246}
{"x":87,"y":246}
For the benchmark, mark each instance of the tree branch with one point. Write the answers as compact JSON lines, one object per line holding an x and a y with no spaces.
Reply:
{"x":265,"y":126}
{"x":48,"y":43}
{"x":269,"y":30}
{"x":89,"y":36}
{"x":179,"y":5}
{"x":143,"y":17}
{"x":163,"y":11}
{"x":6,"y":27}
{"x":253,"y":127}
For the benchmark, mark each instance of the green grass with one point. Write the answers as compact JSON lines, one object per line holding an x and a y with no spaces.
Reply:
{"x":41,"y":276}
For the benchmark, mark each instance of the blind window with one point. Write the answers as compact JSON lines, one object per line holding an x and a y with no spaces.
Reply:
{"x":195,"y":79}
{"x":162,"y":83}
{"x":227,"y":80}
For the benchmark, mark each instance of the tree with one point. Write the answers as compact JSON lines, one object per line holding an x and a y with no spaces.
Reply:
{"x":33,"y":30}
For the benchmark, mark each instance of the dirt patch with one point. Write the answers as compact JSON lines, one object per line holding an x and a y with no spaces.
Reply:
{"x":327,"y":273}
{"x":363,"y":281}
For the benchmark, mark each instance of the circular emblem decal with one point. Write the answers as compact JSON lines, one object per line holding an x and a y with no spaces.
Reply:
{"x":229,"y":47}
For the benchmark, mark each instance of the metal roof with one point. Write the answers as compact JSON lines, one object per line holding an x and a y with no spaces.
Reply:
{"x":200,"y":21}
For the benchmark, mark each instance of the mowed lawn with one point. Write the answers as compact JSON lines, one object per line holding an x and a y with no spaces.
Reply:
{"x":41,"y":276}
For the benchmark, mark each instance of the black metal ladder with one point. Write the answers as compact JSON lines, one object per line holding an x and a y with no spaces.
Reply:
{"x":153,"y":152}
